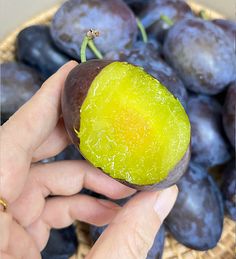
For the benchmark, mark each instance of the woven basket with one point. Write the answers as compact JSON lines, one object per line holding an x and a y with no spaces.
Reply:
{"x":173,"y":250}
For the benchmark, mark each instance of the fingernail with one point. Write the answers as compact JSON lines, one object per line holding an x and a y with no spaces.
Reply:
{"x":71,"y":62}
{"x":74,"y":62}
{"x":165,"y":201}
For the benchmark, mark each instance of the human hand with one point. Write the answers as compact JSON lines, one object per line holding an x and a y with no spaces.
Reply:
{"x":36,"y":132}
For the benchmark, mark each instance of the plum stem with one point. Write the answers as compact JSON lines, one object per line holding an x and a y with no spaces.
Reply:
{"x":142,"y":30}
{"x":167,"y":20}
{"x":203,"y":15}
{"x":88,"y":41}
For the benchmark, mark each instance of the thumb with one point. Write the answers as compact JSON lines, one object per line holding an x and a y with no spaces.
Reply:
{"x":132,"y":232}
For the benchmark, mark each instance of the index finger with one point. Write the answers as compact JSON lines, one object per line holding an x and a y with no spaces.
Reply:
{"x":26,"y":130}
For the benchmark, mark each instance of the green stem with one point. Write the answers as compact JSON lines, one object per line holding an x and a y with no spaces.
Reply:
{"x":167,"y":20}
{"x":142,"y":30}
{"x":83,"y":49}
{"x":94,"y":49}
{"x":88,"y":41}
{"x":203,"y":15}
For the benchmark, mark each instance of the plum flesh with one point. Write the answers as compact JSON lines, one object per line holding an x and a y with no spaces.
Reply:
{"x":146,"y":55}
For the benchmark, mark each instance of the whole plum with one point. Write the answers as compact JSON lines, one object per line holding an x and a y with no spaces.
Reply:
{"x":202,"y":54}
{"x":197,"y":217}
{"x":228,"y":189}
{"x":35,"y":47}
{"x":62,"y":244}
{"x":208,"y":144}
{"x":146,"y":55}
{"x":113,"y":19}
{"x":229,"y":113}
{"x":229,"y":27}
{"x":155,"y":251}
{"x":18,"y":84}
{"x":151,"y":14}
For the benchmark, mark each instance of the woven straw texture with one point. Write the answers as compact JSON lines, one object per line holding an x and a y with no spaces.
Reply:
{"x":226,"y":247}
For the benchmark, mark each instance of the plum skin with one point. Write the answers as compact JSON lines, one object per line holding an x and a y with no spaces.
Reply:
{"x":136,"y":5}
{"x":74,"y":94}
{"x":150,"y":15}
{"x":229,"y":113}
{"x":18,"y":84}
{"x":229,"y":27}
{"x":205,"y":72}
{"x":113,"y":19}
{"x":34,"y":46}
{"x":196,"y":219}
{"x":69,"y":153}
{"x":62,"y":243}
{"x":209,"y":146}
{"x":228,"y":189}
{"x":172,"y":178}
{"x":72,"y":100}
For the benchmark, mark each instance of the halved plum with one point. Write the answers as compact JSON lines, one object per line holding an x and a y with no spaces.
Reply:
{"x":126,"y":123}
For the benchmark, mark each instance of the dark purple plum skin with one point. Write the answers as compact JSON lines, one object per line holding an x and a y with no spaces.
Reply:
{"x":75,"y":91}
{"x":157,"y":248}
{"x":146,"y":56}
{"x":209,"y":146}
{"x":202,"y":55}
{"x":34,"y":46}
{"x":229,"y":27}
{"x":150,"y":15}
{"x":18,"y":84}
{"x":155,"y":251}
{"x":196,"y":219}
{"x":228,"y":189}
{"x":95,"y":232}
{"x":69,"y":153}
{"x":62,"y":244}
{"x":113,"y":19}
{"x":229,"y":113}
{"x":137,"y":5}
